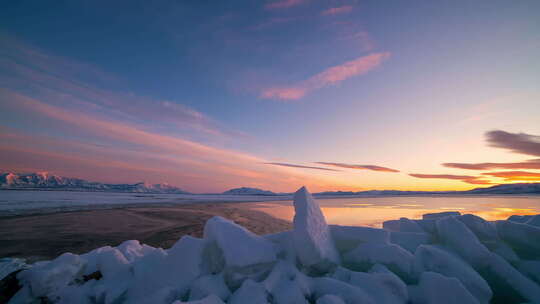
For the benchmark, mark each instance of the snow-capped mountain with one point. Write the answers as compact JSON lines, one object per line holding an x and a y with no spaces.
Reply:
{"x":248,"y":191}
{"x":47,"y":181}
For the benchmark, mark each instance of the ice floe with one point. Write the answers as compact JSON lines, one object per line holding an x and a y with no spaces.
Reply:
{"x":442,"y":258}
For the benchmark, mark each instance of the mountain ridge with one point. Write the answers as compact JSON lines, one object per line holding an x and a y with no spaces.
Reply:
{"x":248,"y":191}
{"x":47,"y":181}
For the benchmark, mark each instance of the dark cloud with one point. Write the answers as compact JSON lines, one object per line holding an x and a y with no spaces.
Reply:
{"x":361,"y":167}
{"x":476,"y":180}
{"x":300,"y":166}
{"x":530,"y":164}
{"x":516,"y":142}
{"x":511,"y":176}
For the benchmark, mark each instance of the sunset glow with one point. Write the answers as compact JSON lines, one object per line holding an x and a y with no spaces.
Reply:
{"x":277,"y":94}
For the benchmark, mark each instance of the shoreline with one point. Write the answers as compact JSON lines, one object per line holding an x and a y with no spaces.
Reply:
{"x":45,"y":236}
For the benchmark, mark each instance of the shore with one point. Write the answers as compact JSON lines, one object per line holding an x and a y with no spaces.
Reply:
{"x":45,"y":236}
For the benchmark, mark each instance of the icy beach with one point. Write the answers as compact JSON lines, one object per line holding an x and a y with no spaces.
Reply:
{"x":442,"y":258}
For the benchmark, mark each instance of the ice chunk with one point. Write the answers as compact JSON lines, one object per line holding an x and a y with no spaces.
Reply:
{"x":330,"y":299}
{"x":312,"y":239}
{"x":382,"y":285}
{"x":505,"y":251}
{"x":530,"y":269}
{"x":394,"y":257}
{"x":428,"y":225}
{"x":132,"y":250}
{"x":392,"y":225}
{"x":250,"y":292}
{"x":431,"y":258}
{"x":523,"y":238}
{"x":349,"y":293}
{"x":342,"y":274}
{"x":534,"y":220}
{"x":208,"y":285}
{"x":240,"y":247}
{"x":159,"y":275}
{"x":110,"y":262}
{"x":484,"y":230}
{"x":403,"y":225}
{"x":46,"y":279}
{"x":115,"y":270}
{"x":9,"y":265}
{"x":410,"y":240}
{"x":348,"y":237}
{"x":519,"y":218}
{"x":512,"y":286}
{"x":163,"y":295}
{"x":211,"y":299}
{"x":458,"y":237}
{"x":435,"y":288}
{"x":438,"y":215}
{"x":185,"y":260}
{"x":288,"y":292}
{"x":284,"y":243}
{"x":286,"y":272}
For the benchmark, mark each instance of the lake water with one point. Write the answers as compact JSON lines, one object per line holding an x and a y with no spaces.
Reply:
{"x":375,"y":210}
{"x":362,"y":211}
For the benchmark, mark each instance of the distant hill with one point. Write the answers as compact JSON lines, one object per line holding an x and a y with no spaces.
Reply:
{"x":47,"y":181}
{"x":522,"y":188}
{"x":248,"y":191}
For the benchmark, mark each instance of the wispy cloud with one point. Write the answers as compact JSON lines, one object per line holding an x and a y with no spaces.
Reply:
{"x":136,"y":154}
{"x":300,"y":166}
{"x":331,"y":76}
{"x":464,"y":178}
{"x":511,"y":176}
{"x":521,"y":143}
{"x":57,"y":107}
{"x":360,"y":167}
{"x":72,"y":85}
{"x":284,"y":4}
{"x":337,"y":10}
{"x":530,"y":164}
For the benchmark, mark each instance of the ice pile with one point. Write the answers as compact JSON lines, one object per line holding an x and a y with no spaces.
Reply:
{"x":442,"y":258}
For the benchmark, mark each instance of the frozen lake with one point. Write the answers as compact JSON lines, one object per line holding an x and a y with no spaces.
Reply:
{"x":357,"y":211}
{"x":14,"y":202}
{"x":372,"y":211}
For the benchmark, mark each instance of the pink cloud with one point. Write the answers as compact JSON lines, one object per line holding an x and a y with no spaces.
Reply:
{"x":529,"y":164}
{"x":475,"y":180}
{"x":59,"y":81}
{"x":331,"y":76}
{"x":284,"y":4}
{"x":127,"y":152}
{"x":337,"y":10}
{"x":360,"y":167}
{"x":284,"y":93}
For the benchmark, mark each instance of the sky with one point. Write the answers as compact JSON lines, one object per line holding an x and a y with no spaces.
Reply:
{"x":274,"y":94}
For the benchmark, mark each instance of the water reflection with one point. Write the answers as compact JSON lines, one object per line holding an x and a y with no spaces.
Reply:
{"x":374,"y":211}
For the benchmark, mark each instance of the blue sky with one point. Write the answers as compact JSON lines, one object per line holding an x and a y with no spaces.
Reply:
{"x":403,"y":85}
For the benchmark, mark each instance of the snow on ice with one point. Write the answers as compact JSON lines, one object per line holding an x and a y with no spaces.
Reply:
{"x":442,"y":258}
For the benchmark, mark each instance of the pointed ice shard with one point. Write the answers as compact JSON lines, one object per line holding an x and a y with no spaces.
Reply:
{"x":312,"y":239}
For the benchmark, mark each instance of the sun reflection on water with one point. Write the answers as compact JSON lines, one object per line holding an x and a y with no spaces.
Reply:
{"x":374,"y":211}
